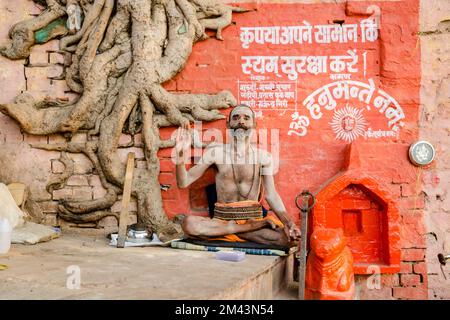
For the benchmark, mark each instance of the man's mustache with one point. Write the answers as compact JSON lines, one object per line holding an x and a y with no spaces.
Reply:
{"x":239,"y":126}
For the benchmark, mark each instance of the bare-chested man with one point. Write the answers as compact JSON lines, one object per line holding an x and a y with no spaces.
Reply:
{"x":243,"y":172}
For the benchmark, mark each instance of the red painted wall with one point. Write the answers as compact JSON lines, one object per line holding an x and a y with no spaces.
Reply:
{"x":308,"y":159}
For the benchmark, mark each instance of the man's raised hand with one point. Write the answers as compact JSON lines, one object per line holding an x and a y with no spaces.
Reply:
{"x":183,"y":143}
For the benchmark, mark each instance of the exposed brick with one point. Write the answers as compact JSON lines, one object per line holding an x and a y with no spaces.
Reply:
{"x":376,"y":294}
{"x":57,"y":166}
{"x":13,"y":137}
{"x":29,"y":138}
{"x":420,"y":268}
{"x":409,"y":280}
{"x":37,"y":80}
{"x":82,"y":193}
{"x":49,"y":206}
{"x":124,"y":139}
{"x":123,"y":153}
{"x":55,"y":71}
{"x":406,"y":267}
{"x":390,"y":280}
{"x":408,"y":190}
{"x":108,"y":222}
{"x":77,"y":180}
{"x":56,"y":138}
{"x":413,"y":254}
{"x":38,"y":55}
{"x":172,"y":194}
{"x":166,"y":165}
{"x":411,"y":237}
{"x":412,"y":217}
{"x":94,"y":180}
{"x":82,"y":164}
{"x":167,"y":178}
{"x":56,"y":58}
{"x":415,"y":202}
{"x":410,"y":293}
{"x":79,"y":137}
{"x":62,"y":194}
{"x":138,"y":140}
{"x":98,"y":192}
{"x":117,"y":206}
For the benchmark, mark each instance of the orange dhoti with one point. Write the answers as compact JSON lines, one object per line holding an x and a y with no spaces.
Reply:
{"x":240,"y":212}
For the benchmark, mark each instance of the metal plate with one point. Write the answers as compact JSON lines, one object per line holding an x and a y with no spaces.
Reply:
{"x":422,"y":153}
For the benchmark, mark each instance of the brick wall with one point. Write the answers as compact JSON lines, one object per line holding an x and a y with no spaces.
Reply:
{"x":434,"y":119}
{"x":306,"y":162}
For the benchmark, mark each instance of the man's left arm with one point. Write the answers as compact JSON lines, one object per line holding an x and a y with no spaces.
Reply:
{"x":274,"y":199}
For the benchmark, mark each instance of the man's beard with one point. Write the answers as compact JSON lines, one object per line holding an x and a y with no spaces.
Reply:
{"x":240,"y":132}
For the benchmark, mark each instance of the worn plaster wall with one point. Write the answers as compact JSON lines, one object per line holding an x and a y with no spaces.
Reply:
{"x":207,"y":73}
{"x":434,"y":127}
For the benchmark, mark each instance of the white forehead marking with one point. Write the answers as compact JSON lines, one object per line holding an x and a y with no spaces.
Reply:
{"x":245,"y":109}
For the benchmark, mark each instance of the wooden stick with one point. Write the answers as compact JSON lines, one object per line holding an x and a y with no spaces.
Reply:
{"x":302,"y":249}
{"x":124,"y":214}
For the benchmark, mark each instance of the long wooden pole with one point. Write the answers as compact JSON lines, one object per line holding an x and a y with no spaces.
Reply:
{"x":305,"y":207}
{"x":303,"y":248}
{"x":124,"y":213}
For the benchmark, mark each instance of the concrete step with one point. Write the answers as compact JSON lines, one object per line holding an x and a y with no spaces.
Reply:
{"x":271,"y":282}
{"x":46,"y":271}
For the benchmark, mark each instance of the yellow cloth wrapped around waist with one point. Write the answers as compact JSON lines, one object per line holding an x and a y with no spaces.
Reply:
{"x":237,"y":205}
{"x":241,"y":210}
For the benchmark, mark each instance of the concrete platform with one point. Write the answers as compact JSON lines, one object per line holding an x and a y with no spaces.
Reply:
{"x":40,"y":272}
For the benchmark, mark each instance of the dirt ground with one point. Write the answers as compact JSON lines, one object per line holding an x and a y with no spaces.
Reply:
{"x":48,"y":271}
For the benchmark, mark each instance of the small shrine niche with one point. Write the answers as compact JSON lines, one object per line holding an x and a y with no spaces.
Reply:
{"x":355,"y":202}
{"x":362,"y":217}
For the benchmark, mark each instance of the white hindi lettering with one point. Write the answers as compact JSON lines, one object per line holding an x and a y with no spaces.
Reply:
{"x":292,"y":66}
{"x":369,"y":30}
{"x":393,"y":112}
{"x":326,"y":96}
{"x":268,"y":94}
{"x":370,"y":133}
{"x":307,"y":33}
{"x":296,"y":34}
{"x":260,"y":64}
{"x":339,"y":64}
{"x":298,"y":125}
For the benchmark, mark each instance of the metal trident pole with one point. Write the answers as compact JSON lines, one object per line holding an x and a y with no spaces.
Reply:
{"x":305,"y":207}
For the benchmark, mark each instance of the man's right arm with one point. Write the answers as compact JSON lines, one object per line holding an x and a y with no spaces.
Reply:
{"x":186,"y":177}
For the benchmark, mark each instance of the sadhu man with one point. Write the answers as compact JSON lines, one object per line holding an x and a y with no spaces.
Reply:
{"x":244,"y":175}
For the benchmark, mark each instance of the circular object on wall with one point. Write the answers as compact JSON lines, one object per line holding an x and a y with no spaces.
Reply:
{"x":421,"y":153}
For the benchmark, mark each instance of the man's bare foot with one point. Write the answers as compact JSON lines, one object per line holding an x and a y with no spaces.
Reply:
{"x":260,"y":224}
